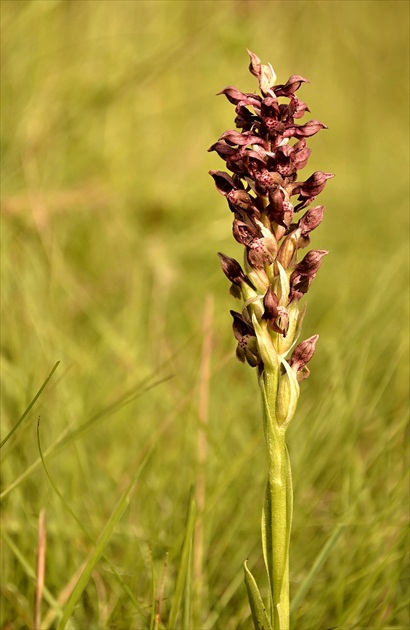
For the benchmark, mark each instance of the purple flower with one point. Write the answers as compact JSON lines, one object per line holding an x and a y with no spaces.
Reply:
{"x":302,"y":355}
{"x":277,"y":316}
{"x":232,"y":270}
{"x":247,"y":349}
{"x":264,"y":156}
{"x":305,"y":272}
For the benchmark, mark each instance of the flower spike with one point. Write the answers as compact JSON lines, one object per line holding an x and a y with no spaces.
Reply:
{"x":263,"y":156}
{"x":265,"y":194}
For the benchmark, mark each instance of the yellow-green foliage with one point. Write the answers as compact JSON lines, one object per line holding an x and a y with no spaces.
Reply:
{"x":110,"y":230}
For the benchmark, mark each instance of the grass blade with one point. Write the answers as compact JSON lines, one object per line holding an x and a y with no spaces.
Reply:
{"x":98,"y":551}
{"x":304,"y":587}
{"x":20,"y":420}
{"x":184,"y":562}
{"x":68,"y":437}
{"x":129,"y":593}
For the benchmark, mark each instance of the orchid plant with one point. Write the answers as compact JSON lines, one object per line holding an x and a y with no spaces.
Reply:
{"x":264,"y":158}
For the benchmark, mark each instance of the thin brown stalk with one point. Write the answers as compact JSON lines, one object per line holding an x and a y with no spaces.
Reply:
{"x":202,"y":450}
{"x":160,"y":597}
{"x":64,"y":595}
{"x":41,"y":564}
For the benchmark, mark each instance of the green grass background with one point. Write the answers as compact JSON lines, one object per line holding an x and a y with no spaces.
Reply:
{"x":110,"y":230}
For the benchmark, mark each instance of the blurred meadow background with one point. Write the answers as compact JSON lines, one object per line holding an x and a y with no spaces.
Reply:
{"x":110,"y":228}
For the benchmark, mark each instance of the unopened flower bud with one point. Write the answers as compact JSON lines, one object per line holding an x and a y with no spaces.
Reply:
{"x":313,"y":185}
{"x":303,"y":353}
{"x":265,"y":74}
{"x":311,"y":219}
{"x":305,"y":272}
{"x":255,"y":64}
{"x":311,"y":262}
{"x":232,"y":270}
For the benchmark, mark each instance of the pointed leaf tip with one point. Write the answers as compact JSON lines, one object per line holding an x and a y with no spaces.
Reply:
{"x":259,"y":615}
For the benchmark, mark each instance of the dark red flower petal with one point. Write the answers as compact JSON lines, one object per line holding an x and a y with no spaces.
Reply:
{"x":313,"y":185}
{"x":223,"y":182}
{"x":232,"y":94}
{"x":304,"y":131}
{"x":232,"y":270}
{"x":277,"y":316}
{"x":292,"y":84}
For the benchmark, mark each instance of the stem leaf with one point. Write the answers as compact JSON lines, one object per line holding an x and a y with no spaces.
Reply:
{"x":259,"y":615}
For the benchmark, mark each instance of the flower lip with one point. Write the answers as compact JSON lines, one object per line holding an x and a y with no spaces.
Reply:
{"x":247,"y":349}
{"x":277,"y":316}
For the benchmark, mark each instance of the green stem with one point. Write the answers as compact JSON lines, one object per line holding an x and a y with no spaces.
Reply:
{"x":277,"y":513}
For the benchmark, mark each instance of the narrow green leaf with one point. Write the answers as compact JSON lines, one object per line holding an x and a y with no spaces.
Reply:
{"x":130,"y":594}
{"x":20,"y":420}
{"x":304,"y":587}
{"x":97,"y":553}
{"x":259,"y":615}
{"x":67,"y":436}
{"x":184,"y":562}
